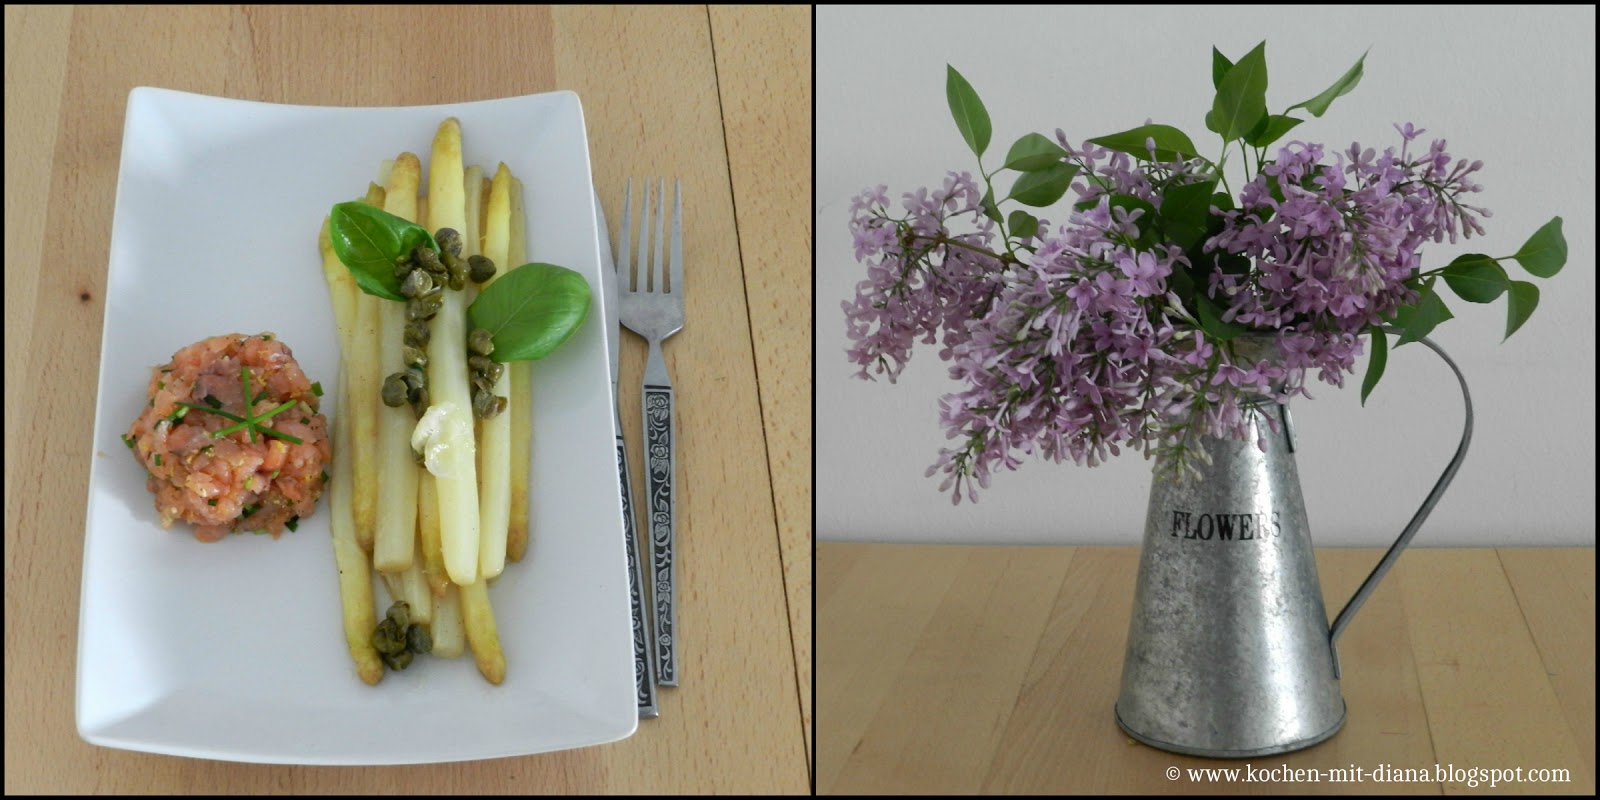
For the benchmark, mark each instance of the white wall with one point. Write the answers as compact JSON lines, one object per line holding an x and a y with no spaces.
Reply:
{"x":1513,"y":87}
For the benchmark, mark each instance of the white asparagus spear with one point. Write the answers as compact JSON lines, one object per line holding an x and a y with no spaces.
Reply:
{"x":520,"y":408}
{"x":395,"y":535}
{"x":478,"y":618}
{"x":494,"y":453}
{"x":451,"y":453}
{"x":449,"y":637}
{"x":361,"y":362}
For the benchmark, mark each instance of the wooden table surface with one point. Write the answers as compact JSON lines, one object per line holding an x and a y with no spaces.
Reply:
{"x":950,"y":669}
{"x":720,"y":97}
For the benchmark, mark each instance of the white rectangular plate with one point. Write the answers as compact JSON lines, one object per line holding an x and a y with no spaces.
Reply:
{"x":235,"y":650}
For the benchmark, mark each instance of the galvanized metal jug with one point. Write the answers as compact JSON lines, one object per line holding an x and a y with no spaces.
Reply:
{"x":1229,"y":649}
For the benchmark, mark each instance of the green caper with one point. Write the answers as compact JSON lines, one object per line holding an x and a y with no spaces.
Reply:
{"x":397,"y":661}
{"x":413,"y":356}
{"x":403,"y":268}
{"x":388,"y":638}
{"x":482,"y":403}
{"x":418,"y":640}
{"x":448,"y":259}
{"x":457,"y":276}
{"x":416,"y":284}
{"x":419,"y":399}
{"x":449,"y":241}
{"x":400,"y":614}
{"x":480,"y":268}
{"x":415,"y":377}
{"x":479,"y":363}
{"x":500,"y":404}
{"x":417,"y":309}
{"x":480,"y":342}
{"x":394,"y":390}
{"x":417,"y":333}
{"x":428,"y":259}
{"x":493,"y":371}
{"x":480,"y":383}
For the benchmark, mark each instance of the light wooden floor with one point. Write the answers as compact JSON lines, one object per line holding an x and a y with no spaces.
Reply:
{"x":948,"y":669}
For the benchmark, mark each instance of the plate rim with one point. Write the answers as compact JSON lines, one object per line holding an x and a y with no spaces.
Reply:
{"x":140,"y":98}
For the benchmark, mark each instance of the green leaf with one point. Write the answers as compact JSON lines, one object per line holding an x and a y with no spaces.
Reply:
{"x":1022,"y":224}
{"x":1186,"y":210}
{"x":1521,"y":299}
{"x":1222,"y":200}
{"x":1211,"y":122}
{"x":368,"y":241}
{"x":1545,"y":252}
{"x":1475,"y":278}
{"x":1043,"y":187}
{"x":1211,"y":320}
{"x":1171,"y":143}
{"x":1375,"y":364}
{"x":1219,"y":67}
{"x":1319,"y":105}
{"x":971,"y":117}
{"x":1418,"y":320}
{"x":1241,"y":99}
{"x":1034,"y":152}
{"x":990,"y":210}
{"x":1270,"y":129}
{"x":531,"y":310}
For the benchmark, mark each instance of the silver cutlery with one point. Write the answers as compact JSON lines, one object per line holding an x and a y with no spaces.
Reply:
{"x":644,"y":661}
{"x":651,"y":306}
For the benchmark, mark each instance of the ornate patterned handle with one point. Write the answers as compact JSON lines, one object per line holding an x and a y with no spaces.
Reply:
{"x":644,"y":661}
{"x":660,"y":508}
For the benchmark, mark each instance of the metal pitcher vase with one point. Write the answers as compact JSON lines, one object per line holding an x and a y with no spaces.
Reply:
{"x":1230,"y":653}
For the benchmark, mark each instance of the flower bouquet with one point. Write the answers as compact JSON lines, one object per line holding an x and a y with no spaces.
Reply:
{"x":1131,"y":323}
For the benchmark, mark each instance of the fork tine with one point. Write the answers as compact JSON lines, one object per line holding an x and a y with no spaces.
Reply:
{"x":624,"y":264}
{"x":677,"y":236}
{"x":658,"y":264}
{"x":643,"y":279}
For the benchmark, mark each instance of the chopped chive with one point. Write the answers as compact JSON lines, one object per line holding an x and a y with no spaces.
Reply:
{"x":248,"y":510}
{"x":266,"y":337}
{"x":324,"y":473}
{"x":305,"y":420}
{"x":316,"y":388}
{"x":212,"y":401}
{"x":211,"y":502}
{"x":207,"y":449}
{"x":167,"y":369}
{"x":158,"y":459}
{"x":258,"y":533}
{"x":161,"y":385}
{"x":293,"y":524}
{"x":177,"y":415}
{"x":152,"y":402}
{"x":274,"y":475}
{"x":128,"y":440}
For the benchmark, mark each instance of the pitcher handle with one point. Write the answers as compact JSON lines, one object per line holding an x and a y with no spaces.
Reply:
{"x":1390,"y":557}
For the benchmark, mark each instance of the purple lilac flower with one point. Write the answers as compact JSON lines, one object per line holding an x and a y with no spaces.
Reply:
{"x":1073,"y":343}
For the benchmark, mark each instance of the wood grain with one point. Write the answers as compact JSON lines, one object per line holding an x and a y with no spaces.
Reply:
{"x":995,"y":669}
{"x":766,"y":117}
{"x":649,"y":85}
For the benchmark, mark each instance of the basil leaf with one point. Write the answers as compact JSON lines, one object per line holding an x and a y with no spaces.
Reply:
{"x":369,"y":241}
{"x":531,"y":310}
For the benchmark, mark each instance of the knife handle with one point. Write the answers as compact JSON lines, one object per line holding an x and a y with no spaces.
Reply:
{"x":644,"y":661}
{"x":661,"y":510}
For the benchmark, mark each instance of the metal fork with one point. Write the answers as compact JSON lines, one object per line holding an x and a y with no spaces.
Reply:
{"x":654,"y":310}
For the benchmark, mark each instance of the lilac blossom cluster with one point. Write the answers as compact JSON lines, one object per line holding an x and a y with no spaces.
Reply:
{"x":1075,"y":341}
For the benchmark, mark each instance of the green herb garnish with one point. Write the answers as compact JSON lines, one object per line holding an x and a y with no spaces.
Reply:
{"x":369,"y":241}
{"x":158,"y":459}
{"x":211,"y":502}
{"x":207,"y":449}
{"x":128,"y":440}
{"x":266,"y":337}
{"x":293,"y":524}
{"x":248,"y":510}
{"x":212,"y":401}
{"x":249,"y":421}
{"x":161,"y":385}
{"x":531,"y":310}
{"x":316,"y":388}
